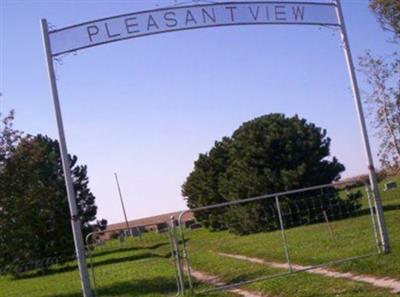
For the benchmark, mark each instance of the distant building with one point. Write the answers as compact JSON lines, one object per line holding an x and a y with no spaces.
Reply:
{"x":157,"y":223}
{"x":162,"y":227}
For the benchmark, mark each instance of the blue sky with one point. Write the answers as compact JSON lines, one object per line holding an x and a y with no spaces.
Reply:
{"x":147,"y":107}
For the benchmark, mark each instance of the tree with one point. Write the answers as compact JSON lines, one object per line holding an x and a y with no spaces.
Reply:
{"x":269,"y":154}
{"x":383,"y":76}
{"x":9,"y":137}
{"x":278,"y":153}
{"x":202,"y":185}
{"x":35,"y":218}
{"x":388,"y":14}
{"x":384,"y":104}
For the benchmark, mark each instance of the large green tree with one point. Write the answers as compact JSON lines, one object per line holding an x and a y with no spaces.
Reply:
{"x":269,"y":154}
{"x":35,"y":225}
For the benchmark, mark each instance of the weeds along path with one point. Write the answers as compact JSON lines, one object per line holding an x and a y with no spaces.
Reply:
{"x":387,"y":283}
{"x":214,"y":280}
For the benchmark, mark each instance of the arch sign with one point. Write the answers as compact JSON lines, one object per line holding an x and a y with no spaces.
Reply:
{"x":188,"y":17}
{"x":164,"y":20}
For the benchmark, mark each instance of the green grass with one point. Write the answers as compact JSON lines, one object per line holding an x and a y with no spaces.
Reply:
{"x":134,"y":272}
{"x":143,"y":267}
{"x":297,"y":285}
{"x":204,"y":245}
{"x":135,"y":267}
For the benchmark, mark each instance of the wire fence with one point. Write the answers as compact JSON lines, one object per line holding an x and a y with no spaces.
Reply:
{"x":122,"y":254}
{"x":300,"y":230}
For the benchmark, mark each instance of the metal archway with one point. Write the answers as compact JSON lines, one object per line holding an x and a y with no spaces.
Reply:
{"x":197,"y":16}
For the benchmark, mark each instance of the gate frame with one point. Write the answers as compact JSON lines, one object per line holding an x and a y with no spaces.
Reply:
{"x":373,"y":217}
{"x":173,"y":247}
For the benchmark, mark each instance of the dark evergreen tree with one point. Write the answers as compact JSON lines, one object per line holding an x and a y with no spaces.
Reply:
{"x":274,"y":153}
{"x":202,"y":185}
{"x":269,"y":154}
{"x":35,"y":217}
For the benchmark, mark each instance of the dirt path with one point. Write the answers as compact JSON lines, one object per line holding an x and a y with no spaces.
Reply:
{"x":387,"y":283}
{"x":213,"y":280}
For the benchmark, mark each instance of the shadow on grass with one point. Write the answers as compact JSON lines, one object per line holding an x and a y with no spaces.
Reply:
{"x":128,"y":248}
{"x":146,"y":255}
{"x":138,"y":287}
{"x":360,"y":213}
{"x":391,"y":207}
{"x":74,"y":267}
{"x":367,"y":211}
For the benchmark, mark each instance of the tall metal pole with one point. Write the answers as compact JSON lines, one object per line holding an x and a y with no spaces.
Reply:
{"x":122,"y":203}
{"x":75,"y":221}
{"x":357,"y":100}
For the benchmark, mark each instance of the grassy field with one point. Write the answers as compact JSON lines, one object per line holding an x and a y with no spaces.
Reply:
{"x":142,"y":271}
{"x":144,"y":267}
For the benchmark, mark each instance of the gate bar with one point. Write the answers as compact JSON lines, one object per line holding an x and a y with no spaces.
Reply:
{"x":178,"y":256}
{"x":174,"y":259}
{"x":372,"y":210}
{"x":283,"y":233}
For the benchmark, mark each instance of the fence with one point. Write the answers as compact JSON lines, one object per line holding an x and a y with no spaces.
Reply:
{"x":124,"y":253}
{"x":299,"y":230}
{"x":116,"y":261}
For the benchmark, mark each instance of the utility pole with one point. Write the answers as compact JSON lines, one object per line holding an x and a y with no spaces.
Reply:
{"x":122,"y":203}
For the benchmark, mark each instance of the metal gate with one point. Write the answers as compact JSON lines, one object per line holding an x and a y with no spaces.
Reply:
{"x":307,"y":226}
{"x":121,"y":253}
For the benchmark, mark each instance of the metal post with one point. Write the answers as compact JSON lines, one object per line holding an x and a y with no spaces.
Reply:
{"x":329,"y":226}
{"x":283,"y":233}
{"x":185,"y":254}
{"x":178,"y":256}
{"x":87,"y":241}
{"x":122,"y":204}
{"x":75,"y":221}
{"x":373,"y":218}
{"x":357,"y":99}
{"x":172,"y":251}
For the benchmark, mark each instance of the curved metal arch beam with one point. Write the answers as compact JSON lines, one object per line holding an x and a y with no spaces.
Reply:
{"x":182,"y":18}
